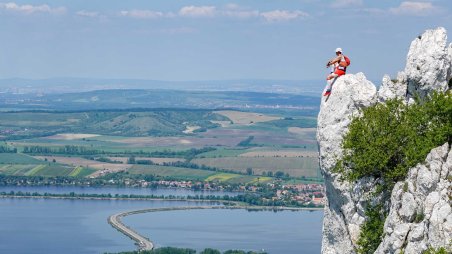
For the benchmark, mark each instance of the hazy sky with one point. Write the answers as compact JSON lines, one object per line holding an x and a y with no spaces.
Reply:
{"x":203,"y":40}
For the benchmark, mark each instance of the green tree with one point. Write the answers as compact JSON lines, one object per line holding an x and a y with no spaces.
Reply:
{"x":210,"y":251}
{"x":131,"y":160}
{"x":279,"y":174}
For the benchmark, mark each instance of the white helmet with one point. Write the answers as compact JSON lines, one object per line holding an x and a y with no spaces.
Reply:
{"x":338,"y":50}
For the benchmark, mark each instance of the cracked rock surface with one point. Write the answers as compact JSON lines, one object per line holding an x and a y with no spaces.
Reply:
{"x":421,"y":205}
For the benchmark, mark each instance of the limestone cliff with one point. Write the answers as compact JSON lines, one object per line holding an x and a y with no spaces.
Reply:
{"x":428,"y":191}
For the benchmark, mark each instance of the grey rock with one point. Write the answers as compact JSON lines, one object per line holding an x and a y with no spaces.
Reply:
{"x":433,"y":229}
{"x":343,"y":213}
{"x":392,"y":90}
{"x":428,"y":64}
{"x":419,"y":210}
{"x":417,"y":233}
{"x":407,"y":210}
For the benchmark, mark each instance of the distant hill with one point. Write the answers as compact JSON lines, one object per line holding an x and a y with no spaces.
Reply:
{"x":71,"y":85}
{"x":139,"y":98}
{"x":158,"y":122}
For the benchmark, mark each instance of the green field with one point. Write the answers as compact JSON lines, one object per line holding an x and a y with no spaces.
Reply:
{"x":281,"y":125}
{"x":294,"y":166}
{"x":193,"y":174}
{"x":44,"y":170}
{"x":222,"y":153}
{"x":15,"y":169}
{"x":17,"y":158}
{"x":176,"y":172}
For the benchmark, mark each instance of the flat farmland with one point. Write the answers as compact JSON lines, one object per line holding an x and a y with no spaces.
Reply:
{"x":274,"y":140}
{"x":304,"y":133}
{"x":178,"y":141}
{"x":294,"y":166}
{"x":39,"y":119}
{"x":153,"y":159}
{"x":20,"y":170}
{"x":49,"y":169}
{"x":17,"y":158}
{"x":246,"y":118}
{"x":279,"y":153}
{"x":72,"y":136}
{"x":233,"y":132}
{"x":77,"y":161}
{"x":176,"y":172}
{"x":235,"y":178}
{"x":195,"y":174}
{"x":56,"y":142}
{"x":222,"y":152}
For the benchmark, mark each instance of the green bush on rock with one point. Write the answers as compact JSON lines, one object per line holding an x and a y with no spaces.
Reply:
{"x":372,"y":230}
{"x":384,"y":142}
{"x":389,"y":138}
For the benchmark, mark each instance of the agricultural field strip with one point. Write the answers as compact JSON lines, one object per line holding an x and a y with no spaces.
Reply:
{"x":246,"y":118}
{"x":35,"y":170}
{"x":72,"y":136}
{"x":77,"y":161}
{"x":298,"y":130}
{"x":195,"y":174}
{"x":225,"y":177}
{"x":280,"y":153}
{"x":294,"y":166}
{"x":76,"y":171}
{"x":153,"y":159}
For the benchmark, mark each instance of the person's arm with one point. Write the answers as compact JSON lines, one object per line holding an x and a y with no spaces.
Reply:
{"x":333,"y":61}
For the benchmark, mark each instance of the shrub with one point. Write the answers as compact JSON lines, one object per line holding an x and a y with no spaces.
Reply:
{"x":419,"y":217}
{"x":405,"y":187}
{"x":431,"y":250}
{"x":371,"y":230}
{"x":389,"y":138}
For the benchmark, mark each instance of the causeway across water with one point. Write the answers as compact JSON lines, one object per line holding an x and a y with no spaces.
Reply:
{"x":146,"y":244}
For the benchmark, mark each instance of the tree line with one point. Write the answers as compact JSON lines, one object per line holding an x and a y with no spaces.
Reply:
{"x":83,"y":150}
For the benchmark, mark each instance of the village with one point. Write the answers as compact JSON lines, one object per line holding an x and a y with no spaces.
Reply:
{"x":300,"y":194}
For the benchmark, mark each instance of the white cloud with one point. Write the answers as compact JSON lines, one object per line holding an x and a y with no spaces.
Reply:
{"x":414,"y":8}
{"x":232,"y":6}
{"x":30,"y":9}
{"x":142,"y":14}
{"x":240,"y":14}
{"x":89,"y":14}
{"x":346,"y":3}
{"x":230,"y":11}
{"x":197,"y":11}
{"x":278,"y":15}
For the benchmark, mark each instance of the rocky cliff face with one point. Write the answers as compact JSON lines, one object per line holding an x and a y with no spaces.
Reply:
{"x":420,"y":214}
{"x":427,"y":189}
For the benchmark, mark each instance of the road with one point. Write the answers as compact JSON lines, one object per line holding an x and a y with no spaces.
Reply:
{"x":142,"y":242}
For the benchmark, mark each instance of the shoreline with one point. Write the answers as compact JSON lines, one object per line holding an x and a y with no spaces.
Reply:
{"x":235,"y":203}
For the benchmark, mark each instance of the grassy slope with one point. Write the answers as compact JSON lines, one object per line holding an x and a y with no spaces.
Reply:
{"x":152,"y":122}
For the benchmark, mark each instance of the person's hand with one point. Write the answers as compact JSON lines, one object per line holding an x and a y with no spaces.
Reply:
{"x":328,"y":64}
